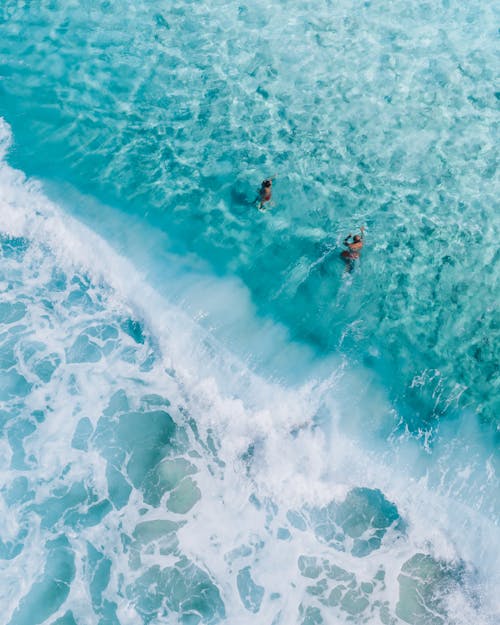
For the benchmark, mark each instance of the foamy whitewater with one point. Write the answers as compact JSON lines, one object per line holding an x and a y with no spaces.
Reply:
{"x":204,"y":418}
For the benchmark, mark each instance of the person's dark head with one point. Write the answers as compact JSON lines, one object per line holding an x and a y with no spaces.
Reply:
{"x":356,"y":238}
{"x":266,"y":184}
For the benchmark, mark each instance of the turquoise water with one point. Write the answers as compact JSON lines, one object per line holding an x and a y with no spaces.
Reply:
{"x":204,"y":418}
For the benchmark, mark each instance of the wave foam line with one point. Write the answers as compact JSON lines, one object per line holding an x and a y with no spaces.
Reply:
{"x":298,"y":464}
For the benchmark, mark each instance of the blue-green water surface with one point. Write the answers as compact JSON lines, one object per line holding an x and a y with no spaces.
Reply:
{"x":128,"y":468}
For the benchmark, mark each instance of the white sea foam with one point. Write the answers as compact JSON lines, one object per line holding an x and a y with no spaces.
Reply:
{"x":258,"y":453}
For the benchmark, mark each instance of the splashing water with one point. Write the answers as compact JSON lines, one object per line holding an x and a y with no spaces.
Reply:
{"x":203,"y":419}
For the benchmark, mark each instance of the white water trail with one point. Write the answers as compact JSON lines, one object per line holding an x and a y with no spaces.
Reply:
{"x":294,"y":466}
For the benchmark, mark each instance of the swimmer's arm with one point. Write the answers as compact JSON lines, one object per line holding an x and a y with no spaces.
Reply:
{"x":362,"y":229}
{"x":346,"y":240}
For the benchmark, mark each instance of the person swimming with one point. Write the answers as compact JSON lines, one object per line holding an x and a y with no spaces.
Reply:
{"x":353,"y":248}
{"x":265,"y":192}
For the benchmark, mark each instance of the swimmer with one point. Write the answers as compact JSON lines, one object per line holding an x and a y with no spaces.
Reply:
{"x":265,"y":192}
{"x":354,"y":247}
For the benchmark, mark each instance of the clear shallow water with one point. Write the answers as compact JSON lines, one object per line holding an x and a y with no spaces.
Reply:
{"x":378,"y":114}
{"x":149,"y":473}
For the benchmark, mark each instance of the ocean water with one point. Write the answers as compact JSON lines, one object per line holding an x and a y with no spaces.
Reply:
{"x":204,"y":418}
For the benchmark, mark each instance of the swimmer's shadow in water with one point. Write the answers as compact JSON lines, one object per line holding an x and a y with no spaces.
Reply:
{"x":243,"y":199}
